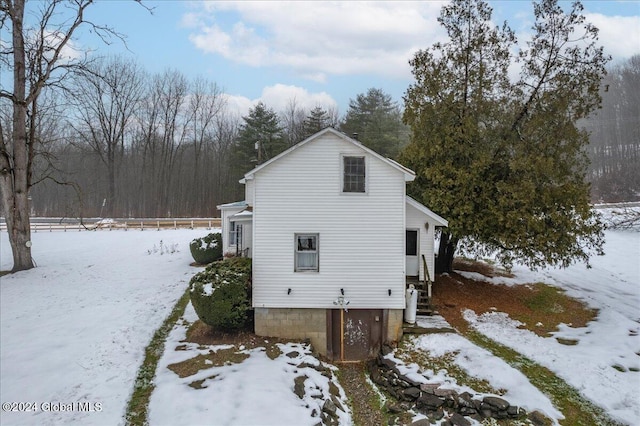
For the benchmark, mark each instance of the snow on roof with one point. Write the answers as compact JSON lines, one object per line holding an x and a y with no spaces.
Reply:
{"x":234,"y":205}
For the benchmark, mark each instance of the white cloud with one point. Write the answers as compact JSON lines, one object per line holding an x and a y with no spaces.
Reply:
{"x":320,"y":39}
{"x":620,"y":35}
{"x":317,"y":39}
{"x":278,"y":98}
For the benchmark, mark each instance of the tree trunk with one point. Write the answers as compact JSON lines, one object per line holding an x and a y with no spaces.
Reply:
{"x":446,"y":252}
{"x":14,"y":176}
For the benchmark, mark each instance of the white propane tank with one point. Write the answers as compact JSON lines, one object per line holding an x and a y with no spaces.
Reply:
{"x":412,"y":305}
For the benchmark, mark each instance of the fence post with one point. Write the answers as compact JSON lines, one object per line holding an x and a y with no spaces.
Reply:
{"x":126,"y":228}
{"x":158,"y":224}
{"x":141,"y":226}
{"x":175,"y":225}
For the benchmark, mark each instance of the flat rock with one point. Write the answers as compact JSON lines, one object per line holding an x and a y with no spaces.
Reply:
{"x":496,"y":402}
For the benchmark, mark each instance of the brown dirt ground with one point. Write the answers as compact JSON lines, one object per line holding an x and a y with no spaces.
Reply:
{"x":531,"y":303}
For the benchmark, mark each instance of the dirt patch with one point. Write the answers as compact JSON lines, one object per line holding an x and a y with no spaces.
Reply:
{"x":539,"y":306}
{"x":363,"y":400}
{"x":486,"y":269}
{"x":203,"y":334}
{"x":212,"y":359}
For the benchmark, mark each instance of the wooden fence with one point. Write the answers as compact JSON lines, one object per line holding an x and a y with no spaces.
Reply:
{"x":44,"y":225}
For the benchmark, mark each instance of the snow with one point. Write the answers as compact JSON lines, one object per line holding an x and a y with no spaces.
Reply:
{"x":612,"y":286}
{"x":258,"y":390}
{"x":74,"y":329}
{"x":479,"y":363}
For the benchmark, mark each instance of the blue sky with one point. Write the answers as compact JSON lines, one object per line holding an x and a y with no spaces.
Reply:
{"x":321,"y":53}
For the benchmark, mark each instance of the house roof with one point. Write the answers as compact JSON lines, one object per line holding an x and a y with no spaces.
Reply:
{"x":436,"y":219}
{"x":234,"y":205}
{"x":409,"y":174}
{"x":244,"y":215}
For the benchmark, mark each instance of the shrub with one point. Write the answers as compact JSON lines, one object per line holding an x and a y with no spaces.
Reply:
{"x":207,"y":249}
{"x":221,"y":294}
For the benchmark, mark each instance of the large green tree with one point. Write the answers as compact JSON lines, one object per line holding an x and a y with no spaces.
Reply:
{"x":260,"y":138}
{"x":377,"y":120}
{"x":501,"y":159}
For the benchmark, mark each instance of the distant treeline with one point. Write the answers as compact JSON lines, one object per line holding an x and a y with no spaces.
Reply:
{"x":122,"y":143}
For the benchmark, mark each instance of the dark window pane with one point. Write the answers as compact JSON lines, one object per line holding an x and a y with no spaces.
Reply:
{"x":354,"y":174}
{"x":412,"y":243}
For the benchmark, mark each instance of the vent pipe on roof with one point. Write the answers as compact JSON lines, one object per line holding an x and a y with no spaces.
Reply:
{"x":355,"y":136}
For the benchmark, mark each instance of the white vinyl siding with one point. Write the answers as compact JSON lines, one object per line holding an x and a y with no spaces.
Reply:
{"x":416,"y":220}
{"x":362,"y":238}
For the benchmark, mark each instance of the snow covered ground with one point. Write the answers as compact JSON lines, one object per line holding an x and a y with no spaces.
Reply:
{"x":256,"y":391}
{"x":73,"y":333}
{"x":74,"y":329}
{"x":605,"y":363}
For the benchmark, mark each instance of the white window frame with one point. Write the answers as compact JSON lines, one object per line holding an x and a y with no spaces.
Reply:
{"x":314,"y":268}
{"x":342,"y":174}
{"x":235,"y":233}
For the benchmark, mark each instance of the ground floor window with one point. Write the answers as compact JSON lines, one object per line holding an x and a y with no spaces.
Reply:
{"x":306,"y":252}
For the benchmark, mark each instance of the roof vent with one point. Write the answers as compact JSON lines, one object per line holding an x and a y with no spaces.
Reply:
{"x":355,"y":136}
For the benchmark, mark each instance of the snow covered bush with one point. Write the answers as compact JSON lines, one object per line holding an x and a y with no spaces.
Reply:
{"x":207,"y":249}
{"x":221,"y":294}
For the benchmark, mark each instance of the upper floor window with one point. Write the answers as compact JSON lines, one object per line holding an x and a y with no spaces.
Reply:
{"x":353,"y":179}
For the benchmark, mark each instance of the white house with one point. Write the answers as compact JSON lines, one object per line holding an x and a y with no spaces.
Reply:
{"x":333,"y":237}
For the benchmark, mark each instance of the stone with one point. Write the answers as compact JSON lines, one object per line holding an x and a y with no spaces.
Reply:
{"x":421,"y":422}
{"x":293,"y":354}
{"x":430,"y":401}
{"x":458,"y":420}
{"x":298,"y":387}
{"x":386,"y":349}
{"x":387,"y":363}
{"x":445,"y":392}
{"x":496,"y":402}
{"x":467,"y":411}
{"x":412,"y":393}
{"x":537,"y":418}
{"x":514,"y":411}
{"x":337,"y":403}
{"x":465,"y":400}
{"x":429,"y":387}
{"x":329,"y":407}
{"x":436,"y":415}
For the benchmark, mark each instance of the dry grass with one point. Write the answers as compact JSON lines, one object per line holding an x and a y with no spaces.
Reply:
{"x":539,"y":306}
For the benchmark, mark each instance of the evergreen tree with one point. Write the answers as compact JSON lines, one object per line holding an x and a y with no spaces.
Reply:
{"x":259,"y":139}
{"x":377,"y":120}
{"x":504,"y":162}
{"x":317,"y":120}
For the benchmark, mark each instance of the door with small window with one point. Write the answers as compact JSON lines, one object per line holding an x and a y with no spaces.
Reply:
{"x":411,"y":253}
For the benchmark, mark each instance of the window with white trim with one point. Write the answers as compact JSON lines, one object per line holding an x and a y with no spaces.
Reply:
{"x":306,"y":252}
{"x":354,"y":176}
{"x":235,"y":234}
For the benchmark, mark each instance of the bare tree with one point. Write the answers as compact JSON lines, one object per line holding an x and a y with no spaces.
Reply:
{"x":292,"y":119}
{"x":205,"y":103}
{"x":39,"y":56}
{"x":105,"y":96}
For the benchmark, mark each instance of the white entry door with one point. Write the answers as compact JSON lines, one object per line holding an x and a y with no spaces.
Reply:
{"x":411,"y":253}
